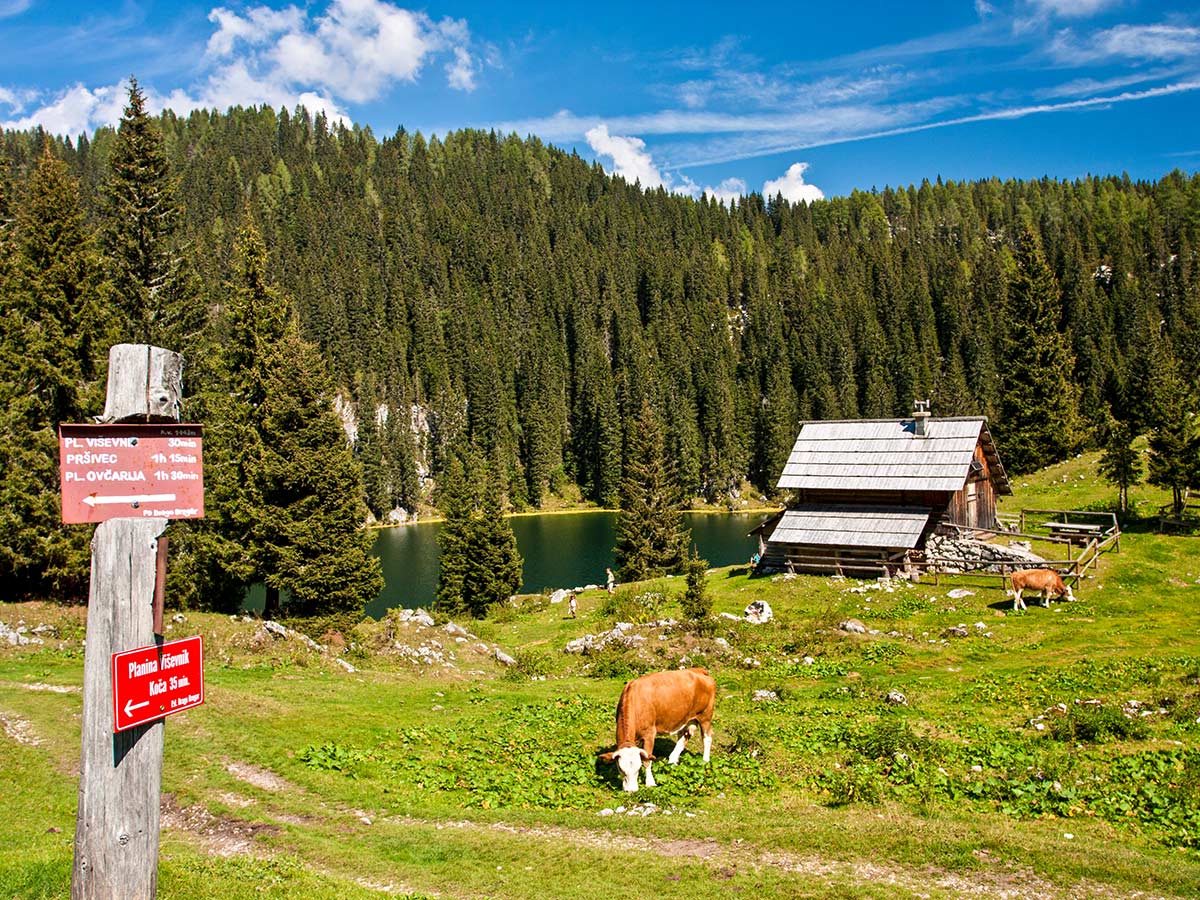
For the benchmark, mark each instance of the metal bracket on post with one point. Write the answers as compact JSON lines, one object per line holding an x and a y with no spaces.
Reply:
{"x":160,"y":586}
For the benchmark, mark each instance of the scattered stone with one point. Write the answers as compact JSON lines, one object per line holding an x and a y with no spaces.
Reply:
{"x":458,"y":630}
{"x":345,"y":665}
{"x":759,"y":612}
{"x":956,"y":631}
{"x":726,"y":615}
{"x":808,"y":661}
{"x":962,"y":555}
{"x":853,"y":626}
{"x":47,"y":630}
{"x":559,"y":596}
{"x":959,"y":593}
{"x":765,"y":696}
{"x":177,"y":618}
{"x":17,"y":637}
{"x":896,"y":698}
{"x":503,"y":658}
{"x":275,"y":629}
{"x":418,"y":615}
{"x":605,"y":812}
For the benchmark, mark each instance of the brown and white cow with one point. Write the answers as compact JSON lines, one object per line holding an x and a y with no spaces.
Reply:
{"x":1045,"y":581}
{"x":668,"y":702}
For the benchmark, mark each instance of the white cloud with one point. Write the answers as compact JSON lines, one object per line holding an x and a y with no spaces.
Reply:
{"x":1137,"y":42}
{"x":75,"y":111}
{"x":258,"y":26}
{"x":1072,"y":9}
{"x":629,"y":156}
{"x":10,"y":8}
{"x":792,"y":186}
{"x":16,"y":100}
{"x":354,"y":51}
{"x":460,"y":73}
{"x":728,"y":191}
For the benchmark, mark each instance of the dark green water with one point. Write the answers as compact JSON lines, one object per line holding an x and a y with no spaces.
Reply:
{"x":559,"y":551}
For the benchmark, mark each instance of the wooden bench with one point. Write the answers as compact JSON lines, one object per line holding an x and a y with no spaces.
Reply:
{"x":1071,"y":530}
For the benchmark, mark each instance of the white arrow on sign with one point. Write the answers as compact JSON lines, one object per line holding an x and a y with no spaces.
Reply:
{"x":93,"y":500}
{"x":130,"y":706}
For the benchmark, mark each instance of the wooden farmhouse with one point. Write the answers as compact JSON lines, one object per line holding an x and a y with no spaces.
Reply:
{"x":868,"y":493}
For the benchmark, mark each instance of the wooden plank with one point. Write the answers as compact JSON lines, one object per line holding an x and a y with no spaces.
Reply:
{"x":144,"y":383}
{"x":116,"y":829}
{"x":120,"y":774}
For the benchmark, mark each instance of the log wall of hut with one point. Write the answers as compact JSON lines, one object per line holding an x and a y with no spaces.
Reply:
{"x":807,"y":560}
{"x":975,"y":505}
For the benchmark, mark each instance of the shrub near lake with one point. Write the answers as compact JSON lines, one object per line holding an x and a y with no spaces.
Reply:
{"x":955,"y":749}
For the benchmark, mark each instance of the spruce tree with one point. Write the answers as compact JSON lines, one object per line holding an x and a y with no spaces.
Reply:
{"x":1120,"y":463}
{"x":1038,"y":412}
{"x":651,"y":536}
{"x":697,"y":603}
{"x":1174,"y":434}
{"x":140,"y":236}
{"x":52,"y":347}
{"x":286,"y":506}
{"x":479,"y":565}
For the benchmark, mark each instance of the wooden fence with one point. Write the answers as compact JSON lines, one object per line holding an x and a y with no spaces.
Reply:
{"x":1095,"y":533}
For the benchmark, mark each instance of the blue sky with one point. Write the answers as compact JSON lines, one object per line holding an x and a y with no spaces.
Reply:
{"x":805,"y":99}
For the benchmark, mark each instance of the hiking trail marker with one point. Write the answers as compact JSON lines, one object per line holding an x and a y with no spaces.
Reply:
{"x":156,"y":681}
{"x":131,"y":475}
{"x":131,"y":470}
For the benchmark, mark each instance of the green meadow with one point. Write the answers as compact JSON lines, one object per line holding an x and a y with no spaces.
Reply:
{"x":1048,"y":753}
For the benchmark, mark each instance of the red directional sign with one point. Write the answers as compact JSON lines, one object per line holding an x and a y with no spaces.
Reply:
{"x":152,"y":682}
{"x":131,"y":471}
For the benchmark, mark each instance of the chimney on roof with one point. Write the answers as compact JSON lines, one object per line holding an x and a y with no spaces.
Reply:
{"x":920,"y":418}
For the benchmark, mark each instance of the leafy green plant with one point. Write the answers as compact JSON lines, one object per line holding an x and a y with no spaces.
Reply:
{"x":530,"y":664}
{"x":1086,"y":723}
{"x":629,"y":605}
{"x":332,"y":757}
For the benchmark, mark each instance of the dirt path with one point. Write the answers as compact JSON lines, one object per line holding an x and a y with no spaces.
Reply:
{"x":996,"y":879}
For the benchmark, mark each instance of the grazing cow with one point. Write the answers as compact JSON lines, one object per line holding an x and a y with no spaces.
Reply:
{"x":1046,"y":581}
{"x":669,"y":702}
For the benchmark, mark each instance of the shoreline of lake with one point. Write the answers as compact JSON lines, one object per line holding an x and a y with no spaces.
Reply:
{"x":560,"y":549}
{"x":702,"y":511}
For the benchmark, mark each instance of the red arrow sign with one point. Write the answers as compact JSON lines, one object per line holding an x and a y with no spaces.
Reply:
{"x":152,"y":682}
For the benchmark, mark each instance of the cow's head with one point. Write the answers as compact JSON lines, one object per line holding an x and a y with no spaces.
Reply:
{"x":628,"y":760}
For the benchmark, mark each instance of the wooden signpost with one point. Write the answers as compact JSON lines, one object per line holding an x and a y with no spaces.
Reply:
{"x":120,"y":773}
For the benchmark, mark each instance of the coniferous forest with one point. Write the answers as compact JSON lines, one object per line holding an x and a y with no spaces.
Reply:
{"x":492,"y":292}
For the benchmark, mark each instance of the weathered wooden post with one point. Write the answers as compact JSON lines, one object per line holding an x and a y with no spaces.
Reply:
{"x":120,"y":773}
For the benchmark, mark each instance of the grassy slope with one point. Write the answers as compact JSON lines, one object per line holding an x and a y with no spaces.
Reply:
{"x":485,"y":786}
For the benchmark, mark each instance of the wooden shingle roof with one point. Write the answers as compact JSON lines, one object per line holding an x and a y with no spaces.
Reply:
{"x":888,"y":455}
{"x":841,"y":525}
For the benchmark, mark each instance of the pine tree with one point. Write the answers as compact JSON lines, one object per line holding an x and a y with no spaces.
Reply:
{"x":1174,"y":434}
{"x":152,"y":285}
{"x":52,"y":347}
{"x":651,"y":536}
{"x":697,"y":603}
{"x":1120,"y":463}
{"x":286,"y":493}
{"x":1039,"y":414}
{"x":479,"y":565}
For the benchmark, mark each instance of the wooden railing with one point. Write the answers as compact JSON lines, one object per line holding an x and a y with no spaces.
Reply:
{"x":1073,"y":568}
